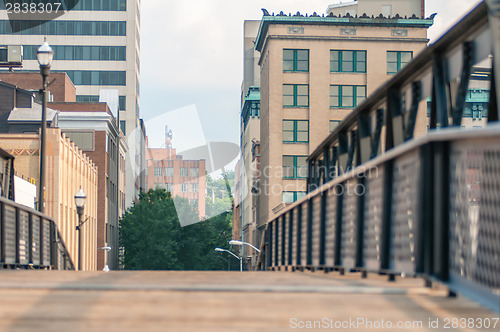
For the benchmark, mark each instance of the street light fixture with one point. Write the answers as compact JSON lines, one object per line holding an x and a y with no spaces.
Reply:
{"x":80,"y":199}
{"x":44,"y":56}
{"x":240,"y":243}
{"x":106,"y":266}
{"x":238,"y":257}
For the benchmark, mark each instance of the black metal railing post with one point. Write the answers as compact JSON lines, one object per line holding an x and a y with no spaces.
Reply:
{"x":441,"y":210}
{"x":387,"y":216}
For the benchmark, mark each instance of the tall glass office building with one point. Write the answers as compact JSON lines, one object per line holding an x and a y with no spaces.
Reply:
{"x":98,"y":45}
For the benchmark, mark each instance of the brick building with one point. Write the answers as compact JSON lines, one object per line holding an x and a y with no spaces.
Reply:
{"x":68,"y":169}
{"x":90,"y":126}
{"x":61,"y":88}
{"x":183,"y":178}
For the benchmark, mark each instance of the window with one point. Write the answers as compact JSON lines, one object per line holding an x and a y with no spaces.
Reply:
{"x":123,"y":126}
{"x":122,"y":101}
{"x":184,"y":171}
{"x":294,"y":167}
{"x":95,"y":77}
{"x":194,"y":203}
{"x":158,"y":171}
{"x":292,"y":196}
{"x":169,"y":187}
{"x":397,"y":60}
{"x":83,"y":139}
{"x":69,"y":52}
{"x":295,"y":95}
{"x":169,"y":171}
{"x":105,"y":5}
{"x":347,"y":96}
{"x":296,"y":60}
{"x":184,"y":187}
{"x":334,"y":124}
{"x":193,"y":172}
{"x":63,"y":28}
{"x":295,"y":131}
{"x":347,"y":61}
{"x":159,"y":185}
{"x":194,"y":187}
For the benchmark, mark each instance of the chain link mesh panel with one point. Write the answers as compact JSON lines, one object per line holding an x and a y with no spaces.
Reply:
{"x":35,"y":247}
{"x":316,"y":226}
{"x":405,"y":214}
{"x":374,"y":199}
{"x":349,"y":223}
{"x":23,"y":232}
{"x":303,"y":252}
{"x":331,"y":220}
{"x":475,"y":212}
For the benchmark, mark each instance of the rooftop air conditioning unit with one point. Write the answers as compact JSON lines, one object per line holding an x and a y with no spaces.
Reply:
{"x":11,"y":55}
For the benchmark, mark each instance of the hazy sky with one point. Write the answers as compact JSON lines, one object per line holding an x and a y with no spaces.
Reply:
{"x":191,"y":59}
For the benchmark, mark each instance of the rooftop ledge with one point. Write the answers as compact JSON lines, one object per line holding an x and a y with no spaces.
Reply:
{"x":347,"y":20}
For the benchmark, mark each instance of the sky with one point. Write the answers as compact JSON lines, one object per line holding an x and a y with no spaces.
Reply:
{"x":192,"y":62}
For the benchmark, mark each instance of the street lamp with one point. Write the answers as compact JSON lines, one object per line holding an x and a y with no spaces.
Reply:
{"x":238,"y":257}
{"x":240,"y":243}
{"x":80,"y":199}
{"x":44,"y":56}
{"x":106,"y":266}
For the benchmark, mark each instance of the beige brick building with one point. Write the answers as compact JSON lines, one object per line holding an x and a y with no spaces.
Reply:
{"x":183,"y":178}
{"x":68,"y":169}
{"x":314,"y":70}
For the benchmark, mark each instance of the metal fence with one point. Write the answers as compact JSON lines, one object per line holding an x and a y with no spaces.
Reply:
{"x":29,"y":239}
{"x":386,"y":196}
{"x":429,"y":208}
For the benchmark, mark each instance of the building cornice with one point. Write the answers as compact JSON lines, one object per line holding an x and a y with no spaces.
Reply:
{"x":332,"y":20}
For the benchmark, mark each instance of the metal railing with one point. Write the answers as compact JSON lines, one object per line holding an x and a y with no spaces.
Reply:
{"x":384,"y":198}
{"x":29,"y":239}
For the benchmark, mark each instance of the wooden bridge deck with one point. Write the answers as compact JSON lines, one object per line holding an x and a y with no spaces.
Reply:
{"x":223,"y":301}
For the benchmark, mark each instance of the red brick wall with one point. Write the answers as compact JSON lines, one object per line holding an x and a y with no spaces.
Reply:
{"x":62,"y":88}
{"x":100,"y":159}
{"x":80,"y":107}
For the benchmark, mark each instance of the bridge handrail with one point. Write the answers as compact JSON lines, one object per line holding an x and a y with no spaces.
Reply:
{"x":30,"y":239}
{"x":429,"y":205}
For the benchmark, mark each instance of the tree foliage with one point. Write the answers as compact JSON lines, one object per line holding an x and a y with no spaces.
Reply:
{"x":153,"y":239}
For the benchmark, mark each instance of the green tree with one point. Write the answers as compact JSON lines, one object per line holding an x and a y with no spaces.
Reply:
{"x":153,"y":239}
{"x":150,"y":233}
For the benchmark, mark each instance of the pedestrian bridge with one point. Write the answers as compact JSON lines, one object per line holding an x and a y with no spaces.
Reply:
{"x":387,"y":200}
{"x":409,"y":183}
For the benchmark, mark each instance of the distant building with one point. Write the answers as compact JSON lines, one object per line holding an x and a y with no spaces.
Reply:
{"x":183,"y":178}
{"x":97,"y":44}
{"x":245,"y":212}
{"x":314,"y":70}
{"x":93,"y":128}
{"x":68,"y":169}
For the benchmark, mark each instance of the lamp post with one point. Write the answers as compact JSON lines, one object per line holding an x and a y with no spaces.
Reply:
{"x":80,"y":199}
{"x":106,"y":266}
{"x":241,"y":243}
{"x":238,"y":257}
{"x":44,"y":56}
